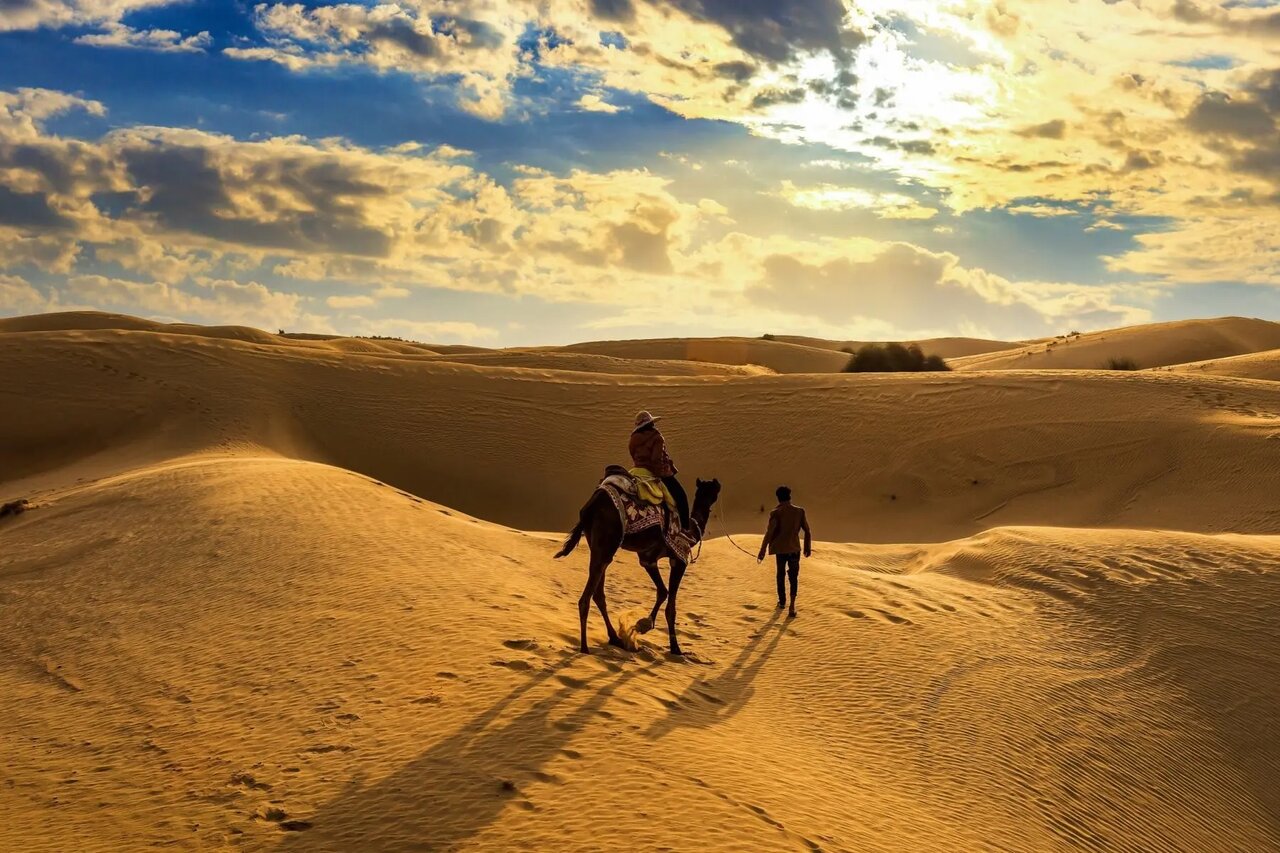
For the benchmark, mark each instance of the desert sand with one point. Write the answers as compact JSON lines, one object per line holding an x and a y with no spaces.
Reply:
{"x":1154,"y":345}
{"x":293,"y":594}
{"x":1253,"y":365}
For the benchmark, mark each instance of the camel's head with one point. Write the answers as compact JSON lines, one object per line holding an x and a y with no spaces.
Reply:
{"x":706,"y":493}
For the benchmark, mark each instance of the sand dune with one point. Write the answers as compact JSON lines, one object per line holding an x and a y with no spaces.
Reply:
{"x":774,"y":355}
{"x":277,"y":596}
{"x":1153,"y":345}
{"x":381,"y":671}
{"x":945,"y":347}
{"x":1255,"y":365}
{"x":581,"y":362}
{"x":883,"y":458}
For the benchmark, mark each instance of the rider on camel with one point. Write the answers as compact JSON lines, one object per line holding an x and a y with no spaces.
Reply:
{"x":649,"y":450}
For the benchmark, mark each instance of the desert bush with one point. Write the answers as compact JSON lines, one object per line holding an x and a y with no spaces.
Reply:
{"x":892,"y":358}
{"x":1122,"y":363}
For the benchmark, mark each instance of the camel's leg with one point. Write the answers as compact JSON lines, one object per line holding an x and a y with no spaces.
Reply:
{"x":677,"y":573}
{"x":598,"y":595}
{"x":595,"y":579}
{"x":661,"y":588}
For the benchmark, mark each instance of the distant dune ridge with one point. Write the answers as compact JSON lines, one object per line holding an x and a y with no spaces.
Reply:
{"x":1155,"y":345}
{"x":296,"y":592}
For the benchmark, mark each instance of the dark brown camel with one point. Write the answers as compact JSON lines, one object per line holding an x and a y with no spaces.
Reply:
{"x":600,"y":522}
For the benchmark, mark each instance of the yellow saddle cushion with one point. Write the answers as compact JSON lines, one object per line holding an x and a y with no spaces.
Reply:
{"x":650,"y":489}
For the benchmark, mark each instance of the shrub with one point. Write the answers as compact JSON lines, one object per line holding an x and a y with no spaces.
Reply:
{"x":893,"y":358}
{"x":769,"y":337}
{"x":1121,"y":364}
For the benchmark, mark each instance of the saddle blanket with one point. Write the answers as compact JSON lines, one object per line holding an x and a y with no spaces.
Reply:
{"x":639,"y":483}
{"x":638,"y":517}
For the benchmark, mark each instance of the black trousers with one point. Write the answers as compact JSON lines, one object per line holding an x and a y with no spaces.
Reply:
{"x":788,"y":567}
{"x":682,"y":500}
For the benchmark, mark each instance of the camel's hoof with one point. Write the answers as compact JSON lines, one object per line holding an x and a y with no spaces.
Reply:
{"x":676,"y":650}
{"x":584,"y":650}
{"x":644,"y":626}
{"x":617,"y":641}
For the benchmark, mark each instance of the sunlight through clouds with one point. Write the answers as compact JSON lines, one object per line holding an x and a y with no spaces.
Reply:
{"x":1080,"y":161}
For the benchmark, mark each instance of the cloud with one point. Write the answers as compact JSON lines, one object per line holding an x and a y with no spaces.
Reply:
{"x":698,"y":58}
{"x":834,"y":197}
{"x":776,"y":30}
{"x":344,"y":302}
{"x":32,"y":14}
{"x":1218,"y":114}
{"x":910,"y":288}
{"x":428,"y":40}
{"x":18,"y":296}
{"x":438,"y":331}
{"x":1054,"y":129}
{"x":204,"y":225}
{"x":209,"y":300}
{"x":593,"y":103}
{"x":164,"y":41}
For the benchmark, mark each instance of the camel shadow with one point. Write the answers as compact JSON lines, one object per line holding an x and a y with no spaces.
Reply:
{"x":710,"y":702}
{"x":463,"y":783}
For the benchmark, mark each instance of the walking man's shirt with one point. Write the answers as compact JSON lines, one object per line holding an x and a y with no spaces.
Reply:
{"x":782,"y":539}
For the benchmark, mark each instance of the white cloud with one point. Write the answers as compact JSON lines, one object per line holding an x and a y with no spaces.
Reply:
{"x":164,"y":41}
{"x":593,"y":103}
{"x":833,"y":197}
{"x":18,"y":296}
{"x":343,"y":302}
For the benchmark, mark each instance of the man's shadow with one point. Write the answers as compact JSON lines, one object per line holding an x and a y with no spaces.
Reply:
{"x":707,"y":703}
{"x":462,"y":784}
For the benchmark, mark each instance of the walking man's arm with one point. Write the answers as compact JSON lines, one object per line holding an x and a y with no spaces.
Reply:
{"x":808,"y":536}
{"x":768,"y":535}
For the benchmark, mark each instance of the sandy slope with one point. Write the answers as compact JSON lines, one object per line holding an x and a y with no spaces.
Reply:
{"x":775,"y":355}
{"x":581,"y":362}
{"x":1255,"y":365}
{"x":945,"y":347}
{"x":219,"y":628}
{"x":72,"y":321}
{"x":1152,"y":345}
{"x":181,"y":668}
{"x":884,"y":458}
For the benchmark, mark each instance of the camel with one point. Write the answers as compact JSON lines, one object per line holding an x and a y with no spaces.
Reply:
{"x":599,"y":520}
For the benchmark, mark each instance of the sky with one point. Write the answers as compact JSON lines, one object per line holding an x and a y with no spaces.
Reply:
{"x":549,"y":171}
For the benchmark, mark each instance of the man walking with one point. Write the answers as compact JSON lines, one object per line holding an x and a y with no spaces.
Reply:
{"x":782,"y":539}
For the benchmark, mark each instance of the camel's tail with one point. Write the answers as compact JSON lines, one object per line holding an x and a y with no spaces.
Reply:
{"x":572,"y":542}
{"x":575,"y":535}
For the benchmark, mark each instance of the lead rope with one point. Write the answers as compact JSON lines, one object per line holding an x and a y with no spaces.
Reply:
{"x":720,"y":512}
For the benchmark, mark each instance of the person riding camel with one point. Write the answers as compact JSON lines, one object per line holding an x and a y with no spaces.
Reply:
{"x":649,"y":451}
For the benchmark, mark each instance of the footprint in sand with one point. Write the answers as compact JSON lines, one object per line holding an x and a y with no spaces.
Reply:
{"x":893,"y":617}
{"x":522,"y":645}
{"x":518,"y":665}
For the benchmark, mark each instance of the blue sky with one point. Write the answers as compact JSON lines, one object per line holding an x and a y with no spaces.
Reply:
{"x":520,"y":173}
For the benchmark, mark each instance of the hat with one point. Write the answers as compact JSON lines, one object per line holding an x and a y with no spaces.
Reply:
{"x":644,"y":419}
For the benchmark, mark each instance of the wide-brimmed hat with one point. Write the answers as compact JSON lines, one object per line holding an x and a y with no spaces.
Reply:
{"x":643,"y":419}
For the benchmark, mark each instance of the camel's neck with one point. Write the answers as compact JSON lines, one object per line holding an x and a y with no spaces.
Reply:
{"x":701,"y":513}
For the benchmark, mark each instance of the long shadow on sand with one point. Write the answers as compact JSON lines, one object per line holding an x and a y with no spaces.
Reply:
{"x":712,"y":701}
{"x":463,"y":783}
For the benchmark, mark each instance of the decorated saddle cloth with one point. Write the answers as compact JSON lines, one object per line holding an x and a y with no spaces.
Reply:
{"x":640,"y":484}
{"x":640,"y":513}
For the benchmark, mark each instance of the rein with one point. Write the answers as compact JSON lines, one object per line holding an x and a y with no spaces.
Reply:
{"x":702,"y":537}
{"x":730,"y":538}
